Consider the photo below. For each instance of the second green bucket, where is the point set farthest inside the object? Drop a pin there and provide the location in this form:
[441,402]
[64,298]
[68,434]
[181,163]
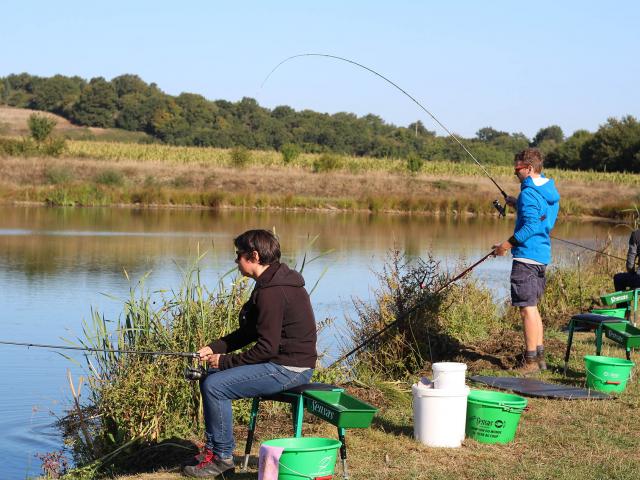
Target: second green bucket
[306,457]
[493,417]
[607,374]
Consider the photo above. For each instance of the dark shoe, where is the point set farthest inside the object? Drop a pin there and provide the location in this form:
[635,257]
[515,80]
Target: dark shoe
[542,363]
[210,466]
[193,461]
[529,367]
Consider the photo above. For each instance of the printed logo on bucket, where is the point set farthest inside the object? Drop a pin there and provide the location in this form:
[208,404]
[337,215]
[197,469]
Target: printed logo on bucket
[486,428]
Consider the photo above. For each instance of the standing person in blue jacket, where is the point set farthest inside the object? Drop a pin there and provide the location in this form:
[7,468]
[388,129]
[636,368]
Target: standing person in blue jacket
[536,212]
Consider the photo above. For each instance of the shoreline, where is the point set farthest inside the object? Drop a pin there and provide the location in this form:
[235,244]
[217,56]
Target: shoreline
[325,210]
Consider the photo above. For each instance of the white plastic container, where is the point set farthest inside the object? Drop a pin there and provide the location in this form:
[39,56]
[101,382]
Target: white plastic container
[439,416]
[449,375]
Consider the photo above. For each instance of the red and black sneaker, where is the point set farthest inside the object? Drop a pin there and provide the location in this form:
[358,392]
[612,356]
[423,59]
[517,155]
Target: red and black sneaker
[195,460]
[210,466]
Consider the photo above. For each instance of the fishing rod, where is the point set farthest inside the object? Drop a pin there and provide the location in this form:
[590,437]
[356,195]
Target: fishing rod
[588,248]
[500,208]
[410,311]
[413,99]
[195,372]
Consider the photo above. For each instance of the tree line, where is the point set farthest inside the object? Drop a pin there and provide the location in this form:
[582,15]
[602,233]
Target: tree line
[127,102]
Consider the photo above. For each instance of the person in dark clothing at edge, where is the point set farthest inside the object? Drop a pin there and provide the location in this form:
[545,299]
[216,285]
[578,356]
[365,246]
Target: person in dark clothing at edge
[536,212]
[278,317]
[630,278]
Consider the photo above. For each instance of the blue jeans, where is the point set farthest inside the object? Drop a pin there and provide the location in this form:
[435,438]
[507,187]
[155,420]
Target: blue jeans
[247,381]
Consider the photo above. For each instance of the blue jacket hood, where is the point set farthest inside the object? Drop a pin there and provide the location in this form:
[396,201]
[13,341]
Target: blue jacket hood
[548,191]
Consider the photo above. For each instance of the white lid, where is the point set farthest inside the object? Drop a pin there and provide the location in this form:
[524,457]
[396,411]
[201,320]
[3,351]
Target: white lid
[449,366]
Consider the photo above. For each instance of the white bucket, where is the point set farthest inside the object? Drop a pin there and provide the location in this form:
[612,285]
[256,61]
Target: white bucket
[439,416]
[449,375]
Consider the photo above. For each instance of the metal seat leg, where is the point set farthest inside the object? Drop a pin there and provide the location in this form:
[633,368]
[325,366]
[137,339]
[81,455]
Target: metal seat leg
[252,427]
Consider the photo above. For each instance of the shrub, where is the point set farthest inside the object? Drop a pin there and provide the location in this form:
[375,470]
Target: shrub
[58,175]
[110,177]
[326,163]
[414,163]
[53,147]
[290,152]
[240,157]
[40,126]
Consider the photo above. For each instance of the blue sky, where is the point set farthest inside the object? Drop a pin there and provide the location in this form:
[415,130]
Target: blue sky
[513,65]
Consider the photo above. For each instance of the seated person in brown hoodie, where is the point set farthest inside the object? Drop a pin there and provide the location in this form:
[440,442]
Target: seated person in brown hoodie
[278,317]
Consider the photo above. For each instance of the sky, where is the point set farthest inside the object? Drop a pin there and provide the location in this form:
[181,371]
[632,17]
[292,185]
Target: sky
[516,66]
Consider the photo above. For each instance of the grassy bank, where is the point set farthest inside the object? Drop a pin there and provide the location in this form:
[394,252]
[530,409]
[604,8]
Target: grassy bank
[142,429]
[101,173]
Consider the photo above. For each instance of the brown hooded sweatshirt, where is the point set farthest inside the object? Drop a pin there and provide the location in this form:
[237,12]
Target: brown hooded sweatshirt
[278,317]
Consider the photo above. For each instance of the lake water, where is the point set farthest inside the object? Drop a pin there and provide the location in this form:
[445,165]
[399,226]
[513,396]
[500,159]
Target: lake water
[58,263]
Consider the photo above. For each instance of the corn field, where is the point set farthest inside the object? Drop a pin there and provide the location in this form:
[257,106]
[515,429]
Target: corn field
[219,157]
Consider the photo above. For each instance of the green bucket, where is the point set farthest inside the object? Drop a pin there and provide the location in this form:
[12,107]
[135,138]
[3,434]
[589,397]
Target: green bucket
[306,457]
[492,417]
[607,374]
[611,312]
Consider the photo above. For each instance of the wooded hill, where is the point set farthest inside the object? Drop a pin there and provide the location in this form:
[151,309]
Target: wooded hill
[129,103]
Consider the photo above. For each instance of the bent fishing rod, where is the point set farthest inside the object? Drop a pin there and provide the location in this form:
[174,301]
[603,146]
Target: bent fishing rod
[500,208]
[410,311]
[395,85]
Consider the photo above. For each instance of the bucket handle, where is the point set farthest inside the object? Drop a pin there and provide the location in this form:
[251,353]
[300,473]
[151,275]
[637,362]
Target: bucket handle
[608,382]
[304,475]
[510,409]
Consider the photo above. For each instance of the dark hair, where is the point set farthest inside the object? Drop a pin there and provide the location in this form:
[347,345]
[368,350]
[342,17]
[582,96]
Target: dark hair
[262,241]
[531,156]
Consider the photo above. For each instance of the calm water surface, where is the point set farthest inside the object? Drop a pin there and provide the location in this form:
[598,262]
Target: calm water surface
[57,264]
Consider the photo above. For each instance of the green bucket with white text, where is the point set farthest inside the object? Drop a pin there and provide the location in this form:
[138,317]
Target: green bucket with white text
[607,374]
[493,417]
[306,457]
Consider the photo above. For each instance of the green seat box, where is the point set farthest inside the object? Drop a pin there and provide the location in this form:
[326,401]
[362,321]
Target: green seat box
[623,334]
[617,297]
[339,409]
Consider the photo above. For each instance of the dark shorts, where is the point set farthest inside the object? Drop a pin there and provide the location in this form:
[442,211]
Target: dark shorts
[527,284]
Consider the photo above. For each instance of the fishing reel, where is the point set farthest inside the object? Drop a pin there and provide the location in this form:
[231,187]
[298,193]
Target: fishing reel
[502,209]
[196,371]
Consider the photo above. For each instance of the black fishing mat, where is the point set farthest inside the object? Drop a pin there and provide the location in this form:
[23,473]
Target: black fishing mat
[537,388]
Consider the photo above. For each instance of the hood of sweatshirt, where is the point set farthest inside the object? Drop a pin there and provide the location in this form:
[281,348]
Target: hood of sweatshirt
[547,190]
[279,275]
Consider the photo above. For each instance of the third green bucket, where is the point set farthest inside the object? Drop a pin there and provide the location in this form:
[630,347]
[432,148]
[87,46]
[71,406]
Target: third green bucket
[607,374]
[306,457]
[493,417]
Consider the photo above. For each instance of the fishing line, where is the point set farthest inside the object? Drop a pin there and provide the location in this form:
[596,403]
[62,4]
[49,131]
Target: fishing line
[100,350]
[499,207]
[588,248]
[504,194]
[410,311]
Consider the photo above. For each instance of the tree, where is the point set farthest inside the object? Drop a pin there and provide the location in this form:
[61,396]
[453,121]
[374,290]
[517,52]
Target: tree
[57,94]
[127,84]
[489,134]
[567,155]
[97,105]
[553,133]
[614,147]
[40,126]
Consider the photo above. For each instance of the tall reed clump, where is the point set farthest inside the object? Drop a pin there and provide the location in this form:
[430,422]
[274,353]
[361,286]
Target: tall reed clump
[434,323]
[140,400]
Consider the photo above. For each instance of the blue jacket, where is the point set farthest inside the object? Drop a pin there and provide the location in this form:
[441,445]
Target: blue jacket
[537,212]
